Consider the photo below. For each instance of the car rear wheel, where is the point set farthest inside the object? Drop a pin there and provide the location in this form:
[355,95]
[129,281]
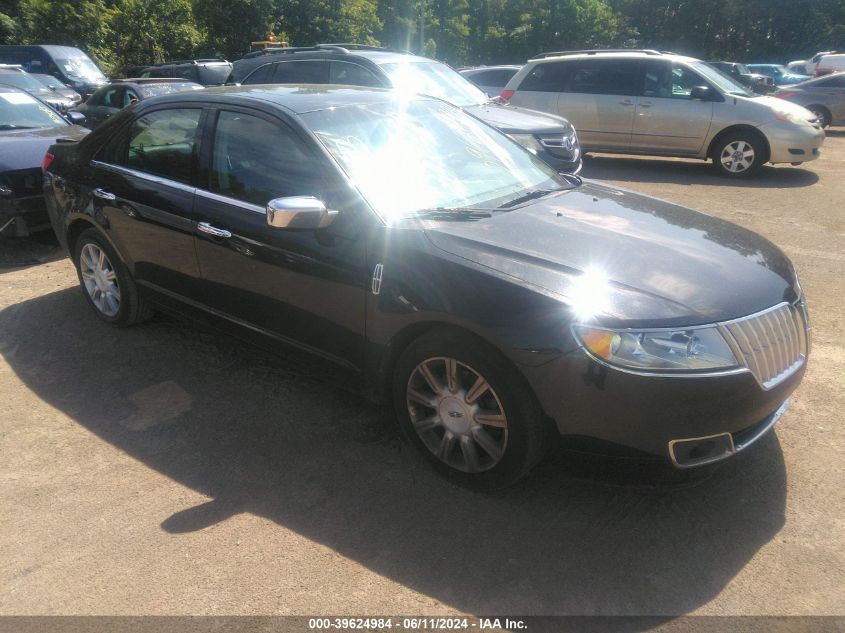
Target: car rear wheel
[106,283]
[738,155]
[467,411]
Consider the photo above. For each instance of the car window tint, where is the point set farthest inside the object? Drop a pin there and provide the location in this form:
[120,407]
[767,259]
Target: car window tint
[548,77]
[261,75]
[130,97]
[113,97]
[604,77]
[352,75]
[255,161]
[162,143]
[304,72]
[835,82]
[187,72]
[664,80]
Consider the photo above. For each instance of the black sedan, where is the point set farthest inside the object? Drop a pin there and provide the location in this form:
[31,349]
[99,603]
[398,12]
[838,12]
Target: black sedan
[27,128]
[439,266]
[113,97]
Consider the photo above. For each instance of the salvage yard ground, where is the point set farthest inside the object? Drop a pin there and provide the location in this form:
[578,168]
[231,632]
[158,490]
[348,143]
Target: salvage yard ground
[167,470]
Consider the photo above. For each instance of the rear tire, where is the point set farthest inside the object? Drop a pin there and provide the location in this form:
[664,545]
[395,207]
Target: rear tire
[463,406]
[106,283]
[739,154]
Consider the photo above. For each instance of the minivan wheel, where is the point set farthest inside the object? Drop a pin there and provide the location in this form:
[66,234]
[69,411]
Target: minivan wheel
[821,114]
[106,283]
[467,411]
[738,155]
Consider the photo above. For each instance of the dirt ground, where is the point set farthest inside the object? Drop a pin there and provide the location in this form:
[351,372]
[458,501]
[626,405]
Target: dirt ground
[164,469]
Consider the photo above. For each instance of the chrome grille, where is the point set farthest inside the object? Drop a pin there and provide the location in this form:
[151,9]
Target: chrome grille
[772,344]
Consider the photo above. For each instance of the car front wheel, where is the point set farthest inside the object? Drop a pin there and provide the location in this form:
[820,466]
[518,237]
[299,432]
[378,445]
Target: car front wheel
[467,411]
[738,155]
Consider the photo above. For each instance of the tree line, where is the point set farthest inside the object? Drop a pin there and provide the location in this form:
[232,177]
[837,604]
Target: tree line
[120,33]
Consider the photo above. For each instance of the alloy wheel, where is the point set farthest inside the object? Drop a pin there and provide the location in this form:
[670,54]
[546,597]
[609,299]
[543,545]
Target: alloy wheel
[99,279]
[737,157]
[457,414]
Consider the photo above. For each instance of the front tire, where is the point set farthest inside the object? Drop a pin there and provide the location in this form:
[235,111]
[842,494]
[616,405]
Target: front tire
[467,411]
[739,155]
[106,283]
[821,114]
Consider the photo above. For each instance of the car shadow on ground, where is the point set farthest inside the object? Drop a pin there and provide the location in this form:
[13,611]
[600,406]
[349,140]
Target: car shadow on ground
[22,252]
[689,172]
[256,435]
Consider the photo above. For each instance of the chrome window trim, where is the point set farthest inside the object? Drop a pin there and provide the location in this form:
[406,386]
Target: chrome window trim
[246,206]
[128,171]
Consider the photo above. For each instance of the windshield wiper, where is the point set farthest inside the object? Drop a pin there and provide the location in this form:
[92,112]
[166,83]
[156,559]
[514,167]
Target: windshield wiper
[534,194]
[453,213]
[12,126]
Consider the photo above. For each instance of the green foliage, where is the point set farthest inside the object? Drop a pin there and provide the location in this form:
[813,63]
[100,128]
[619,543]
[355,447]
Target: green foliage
[120,32]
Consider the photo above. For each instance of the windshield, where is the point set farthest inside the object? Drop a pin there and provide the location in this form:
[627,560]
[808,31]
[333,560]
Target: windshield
[50,81]
[165,89]
[434,79]
[81,68]
[411,156]
[719,79]
[20,111]
[20,80]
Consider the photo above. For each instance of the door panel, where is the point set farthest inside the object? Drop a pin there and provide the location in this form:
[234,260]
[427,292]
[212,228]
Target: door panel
[667,118]
[305,287]
[141,184]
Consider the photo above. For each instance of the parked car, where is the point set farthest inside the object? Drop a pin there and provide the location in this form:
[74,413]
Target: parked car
[68,64]
[493,302]
[69,96]
[830,64]
[110,99]
[490,79]
[28,127]
[739,72]
[645,102]
[208,72]
[823,96]
[550,137]
[779,74]
[813,62]
[12,75]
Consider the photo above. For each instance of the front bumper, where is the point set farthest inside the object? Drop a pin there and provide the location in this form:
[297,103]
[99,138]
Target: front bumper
[647,414]
[789,143]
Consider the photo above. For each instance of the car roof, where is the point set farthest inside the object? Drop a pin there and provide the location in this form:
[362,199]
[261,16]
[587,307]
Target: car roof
[298,98]
[610,54]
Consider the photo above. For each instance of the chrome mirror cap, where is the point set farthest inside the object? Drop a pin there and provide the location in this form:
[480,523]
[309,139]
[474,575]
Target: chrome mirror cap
[299,212]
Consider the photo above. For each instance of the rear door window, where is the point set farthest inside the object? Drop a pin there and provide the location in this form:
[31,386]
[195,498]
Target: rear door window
[261,75]
[302,72]
[547,77]
[604,77]
[835,82]
[161,143]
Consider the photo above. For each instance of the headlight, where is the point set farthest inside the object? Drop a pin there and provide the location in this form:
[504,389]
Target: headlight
[658,350]
[528,141]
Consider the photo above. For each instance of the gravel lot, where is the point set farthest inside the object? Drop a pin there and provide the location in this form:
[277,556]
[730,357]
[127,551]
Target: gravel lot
[168,470]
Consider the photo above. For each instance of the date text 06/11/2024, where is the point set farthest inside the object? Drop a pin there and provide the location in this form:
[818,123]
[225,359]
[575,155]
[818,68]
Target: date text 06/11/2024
[415,623]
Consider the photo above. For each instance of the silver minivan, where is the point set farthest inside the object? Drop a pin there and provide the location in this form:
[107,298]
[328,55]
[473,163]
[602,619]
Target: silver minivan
[646,102]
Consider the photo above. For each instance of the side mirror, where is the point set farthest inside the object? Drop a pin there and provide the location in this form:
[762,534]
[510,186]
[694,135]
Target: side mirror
[299,212]
[77,118]
[702,93]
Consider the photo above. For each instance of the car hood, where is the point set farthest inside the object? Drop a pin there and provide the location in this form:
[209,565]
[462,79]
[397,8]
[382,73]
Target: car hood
[780,106]
[514,120]
[25,149]
[647,261]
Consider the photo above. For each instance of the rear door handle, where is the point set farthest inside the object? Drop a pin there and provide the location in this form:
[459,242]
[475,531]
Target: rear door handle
[646,104]
[205,227]
[626,102]
[104,195]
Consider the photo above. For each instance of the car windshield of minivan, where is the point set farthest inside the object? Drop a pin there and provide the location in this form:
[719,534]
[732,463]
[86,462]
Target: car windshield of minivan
[81,68]
[719,79]
[19,111]
[434,79]
[409,156]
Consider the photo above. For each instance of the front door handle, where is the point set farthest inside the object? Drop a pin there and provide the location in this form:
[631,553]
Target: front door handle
[104,195]
[646,104]
[205,227]
[626,102]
